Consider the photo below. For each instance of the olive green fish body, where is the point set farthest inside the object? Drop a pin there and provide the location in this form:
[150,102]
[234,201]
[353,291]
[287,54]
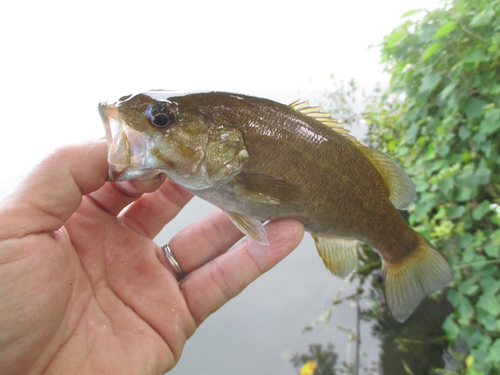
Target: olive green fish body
[323,179]
[261,160]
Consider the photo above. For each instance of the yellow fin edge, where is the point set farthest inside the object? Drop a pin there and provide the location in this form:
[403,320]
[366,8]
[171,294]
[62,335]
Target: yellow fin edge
[339,255]
[409,280]
[402,191]
[323,117]
[401,188]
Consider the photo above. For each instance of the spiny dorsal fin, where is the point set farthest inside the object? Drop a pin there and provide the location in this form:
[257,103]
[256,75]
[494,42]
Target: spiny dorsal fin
[324,118]
[402,189]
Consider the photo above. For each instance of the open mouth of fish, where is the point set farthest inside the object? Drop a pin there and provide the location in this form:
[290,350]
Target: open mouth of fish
[127,148]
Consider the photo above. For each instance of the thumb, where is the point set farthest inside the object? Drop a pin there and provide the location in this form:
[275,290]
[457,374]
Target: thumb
[53,190]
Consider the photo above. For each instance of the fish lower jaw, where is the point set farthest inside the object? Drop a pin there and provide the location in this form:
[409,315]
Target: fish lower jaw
[124,173]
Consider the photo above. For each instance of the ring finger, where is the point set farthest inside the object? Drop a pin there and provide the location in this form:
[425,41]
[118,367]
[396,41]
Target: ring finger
[202,241]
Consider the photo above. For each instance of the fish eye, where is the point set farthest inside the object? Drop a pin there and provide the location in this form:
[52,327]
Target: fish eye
[161,119]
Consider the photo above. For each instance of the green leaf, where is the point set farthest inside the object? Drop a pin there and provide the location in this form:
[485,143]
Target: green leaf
[454,297]
[492,250]
[494,352]
[445,29]
[412,133]
[495,89]
[473,108]
[491,287]
[447,91]
[466,311]
[443,150]
[471,335]
[439,164]
[468,287]
[482,18]
[391,146]
[468,256]
[481,210]
[466,179]
[430,51]
[450,327]
[466,240]
[482,175]
[487,320]
[454,212]
[463,133]
[411,13]
[491,121]
[425,204]
[420,184]
[429,81]
[428,31]
[445,184]
[394,37]
[464,194]
[475,57]
[495,218]
[489,303]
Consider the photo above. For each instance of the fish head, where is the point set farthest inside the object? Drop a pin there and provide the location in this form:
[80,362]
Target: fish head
[165,132]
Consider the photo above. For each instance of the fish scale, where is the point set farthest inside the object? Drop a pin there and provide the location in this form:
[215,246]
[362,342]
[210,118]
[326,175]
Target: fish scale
[261,160]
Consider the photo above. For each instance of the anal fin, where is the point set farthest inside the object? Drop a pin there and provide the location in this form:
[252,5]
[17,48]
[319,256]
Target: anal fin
[409,280]
[253,228]
[339,255]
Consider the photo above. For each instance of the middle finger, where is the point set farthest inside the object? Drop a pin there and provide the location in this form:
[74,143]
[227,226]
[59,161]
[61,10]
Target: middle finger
[153,211]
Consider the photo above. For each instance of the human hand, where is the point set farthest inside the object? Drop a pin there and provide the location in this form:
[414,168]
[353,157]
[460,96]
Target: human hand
[83,287]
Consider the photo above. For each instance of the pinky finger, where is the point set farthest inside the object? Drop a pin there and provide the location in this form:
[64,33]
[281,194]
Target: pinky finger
[208,288]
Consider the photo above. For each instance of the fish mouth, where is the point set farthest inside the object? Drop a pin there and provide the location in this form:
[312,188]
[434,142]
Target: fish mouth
[127,148]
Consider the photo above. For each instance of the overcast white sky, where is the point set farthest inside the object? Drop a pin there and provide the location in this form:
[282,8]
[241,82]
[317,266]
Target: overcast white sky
[60,58]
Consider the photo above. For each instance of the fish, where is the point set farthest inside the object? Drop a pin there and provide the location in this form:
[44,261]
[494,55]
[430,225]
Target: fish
[261,160]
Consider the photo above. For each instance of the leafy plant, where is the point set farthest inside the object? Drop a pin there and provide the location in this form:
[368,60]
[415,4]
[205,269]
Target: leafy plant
[326,359]
[440,119]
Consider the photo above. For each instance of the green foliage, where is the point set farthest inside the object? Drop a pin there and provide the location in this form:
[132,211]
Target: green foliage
[440,119]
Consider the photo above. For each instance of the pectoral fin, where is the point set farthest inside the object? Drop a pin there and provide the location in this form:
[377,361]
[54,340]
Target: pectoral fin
[339,255]
[265,189]
[253,228]
[225,155]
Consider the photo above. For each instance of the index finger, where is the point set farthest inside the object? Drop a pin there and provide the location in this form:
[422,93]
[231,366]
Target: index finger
[209,287]
[53,190]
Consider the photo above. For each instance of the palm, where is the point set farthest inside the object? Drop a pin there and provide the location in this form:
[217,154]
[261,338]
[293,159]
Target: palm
[97,295]
[122,299]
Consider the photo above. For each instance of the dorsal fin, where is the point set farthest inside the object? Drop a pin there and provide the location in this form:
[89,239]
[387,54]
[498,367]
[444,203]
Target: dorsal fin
[401,188]
[324,118]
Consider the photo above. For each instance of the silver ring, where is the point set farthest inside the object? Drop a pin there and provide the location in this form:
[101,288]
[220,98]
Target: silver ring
[173,262]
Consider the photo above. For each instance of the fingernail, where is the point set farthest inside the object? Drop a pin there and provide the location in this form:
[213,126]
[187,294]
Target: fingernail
[160,178]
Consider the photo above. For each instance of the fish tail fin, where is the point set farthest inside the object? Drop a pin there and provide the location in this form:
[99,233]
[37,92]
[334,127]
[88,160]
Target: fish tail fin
[410,279]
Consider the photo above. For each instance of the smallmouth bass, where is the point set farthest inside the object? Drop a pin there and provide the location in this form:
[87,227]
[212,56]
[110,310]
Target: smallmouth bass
[261,160]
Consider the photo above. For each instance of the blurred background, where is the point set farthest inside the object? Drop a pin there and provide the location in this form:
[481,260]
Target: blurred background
[59,59]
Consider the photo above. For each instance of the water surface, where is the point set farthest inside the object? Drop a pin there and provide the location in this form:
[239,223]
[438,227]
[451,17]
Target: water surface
[258,331]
